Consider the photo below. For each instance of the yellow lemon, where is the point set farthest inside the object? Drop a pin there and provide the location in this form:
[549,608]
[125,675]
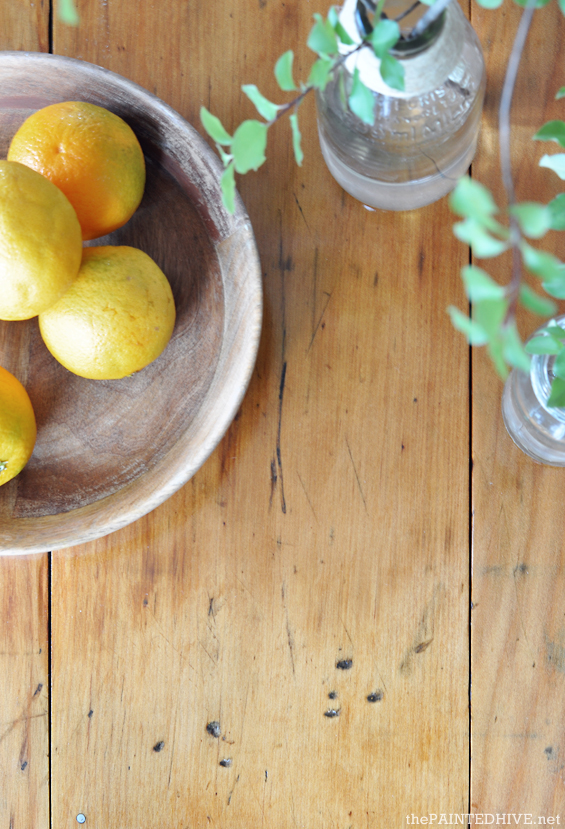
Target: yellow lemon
[116,318]
[40,242]
[92,155]
[17,426]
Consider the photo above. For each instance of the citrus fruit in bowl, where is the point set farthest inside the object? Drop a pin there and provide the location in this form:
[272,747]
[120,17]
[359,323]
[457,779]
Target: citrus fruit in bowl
[115,319]
[17,426]
[92,155]
[40,242]
[110,450]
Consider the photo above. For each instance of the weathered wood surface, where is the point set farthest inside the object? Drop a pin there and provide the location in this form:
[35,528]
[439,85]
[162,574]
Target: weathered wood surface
[518,632]
[331,523]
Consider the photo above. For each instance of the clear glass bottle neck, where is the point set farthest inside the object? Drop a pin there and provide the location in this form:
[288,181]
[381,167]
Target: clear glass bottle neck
[407,14]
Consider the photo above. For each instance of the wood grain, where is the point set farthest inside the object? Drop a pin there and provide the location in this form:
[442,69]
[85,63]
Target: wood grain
[24,679]
[518,636]
[330,524]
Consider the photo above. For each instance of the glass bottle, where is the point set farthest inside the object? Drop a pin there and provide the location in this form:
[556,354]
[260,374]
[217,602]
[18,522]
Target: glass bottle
[423,139]
[536,428]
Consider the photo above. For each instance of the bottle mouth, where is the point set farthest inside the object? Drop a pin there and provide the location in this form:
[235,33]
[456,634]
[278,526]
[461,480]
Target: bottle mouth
[406,46]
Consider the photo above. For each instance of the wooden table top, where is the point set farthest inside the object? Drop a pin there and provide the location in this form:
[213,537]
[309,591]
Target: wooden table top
[365,540]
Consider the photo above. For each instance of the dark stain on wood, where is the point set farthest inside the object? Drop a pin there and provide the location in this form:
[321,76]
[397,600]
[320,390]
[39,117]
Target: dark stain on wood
[423,645]
[332,712]
[213,728]
[375,697]
[226,762]
[344,664]
[332,694]
[159,746]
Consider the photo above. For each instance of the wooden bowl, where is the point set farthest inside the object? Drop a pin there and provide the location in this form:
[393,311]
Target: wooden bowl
[109,451]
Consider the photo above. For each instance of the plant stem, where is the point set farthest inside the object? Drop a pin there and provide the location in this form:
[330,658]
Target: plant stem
[504,150]
[298,100]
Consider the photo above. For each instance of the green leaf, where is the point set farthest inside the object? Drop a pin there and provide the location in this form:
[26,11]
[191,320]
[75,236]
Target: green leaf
[559,365]
[479,285]
[555,288]
[542,345]
[392,72]
[554,162]
[67,13]
[556,332]
[490,314]
[283,71]
[534,219]
[361,101]
[384,36]
[296,138]
[557,396]
[333,16]
[341,33]
[248,146]
[561,92]
[227,183]
[552,131]
[320,73]
[473,200]
[475,334]
[542,264]
[556,208]
[264,107]
[539,5]
[513,348]
[496,354]
[322,38]
[483,244]
[214,127]
[536,303]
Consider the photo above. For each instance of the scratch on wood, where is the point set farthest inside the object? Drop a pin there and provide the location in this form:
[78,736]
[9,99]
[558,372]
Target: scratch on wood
[307,496]
[289,636]
[234,785]
[328,297]
[356,475]
[301,211]
[38,689]
[279,455]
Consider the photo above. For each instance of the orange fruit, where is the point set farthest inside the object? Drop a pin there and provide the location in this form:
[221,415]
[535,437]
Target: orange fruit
[116,318]
[92,155]
[40,242]
[17,426]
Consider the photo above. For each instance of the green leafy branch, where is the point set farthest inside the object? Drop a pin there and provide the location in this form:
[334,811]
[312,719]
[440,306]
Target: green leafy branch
[245,149]
[494,306]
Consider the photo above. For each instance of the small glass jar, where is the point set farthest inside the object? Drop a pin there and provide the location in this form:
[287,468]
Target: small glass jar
[536,428]
[424,138]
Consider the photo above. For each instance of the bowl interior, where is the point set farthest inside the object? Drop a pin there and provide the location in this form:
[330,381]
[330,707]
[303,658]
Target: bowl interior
[96,438]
